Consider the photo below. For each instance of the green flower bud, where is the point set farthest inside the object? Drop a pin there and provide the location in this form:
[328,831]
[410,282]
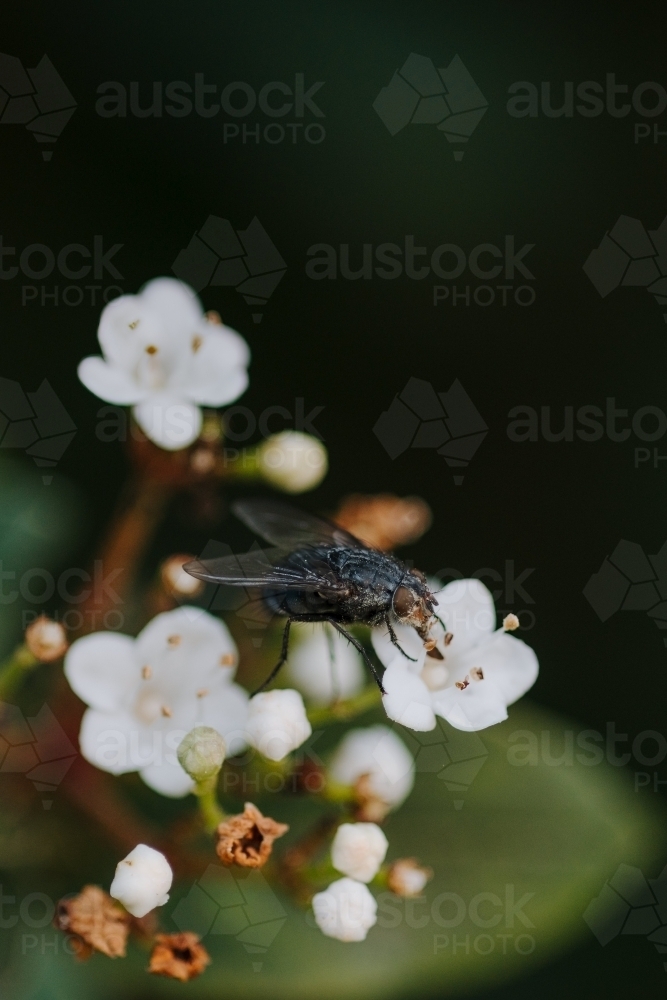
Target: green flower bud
[201,753]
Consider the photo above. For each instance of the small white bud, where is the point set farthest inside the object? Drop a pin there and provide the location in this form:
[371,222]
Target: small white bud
[277,722]
[176,581]
[346,910]
[142,880]
[46,639]
[201,753]
[407,877]
[292,461]
[358,850]
[378,753]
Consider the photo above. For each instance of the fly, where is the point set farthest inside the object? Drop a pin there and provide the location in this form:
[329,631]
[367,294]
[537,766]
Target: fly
[318,572]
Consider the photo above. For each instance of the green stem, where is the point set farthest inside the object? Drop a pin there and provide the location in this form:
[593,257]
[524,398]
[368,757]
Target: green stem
[14,669]
[209,807]
[348,709]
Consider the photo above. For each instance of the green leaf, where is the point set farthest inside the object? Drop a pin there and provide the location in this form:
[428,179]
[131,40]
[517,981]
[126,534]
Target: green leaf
[538,840]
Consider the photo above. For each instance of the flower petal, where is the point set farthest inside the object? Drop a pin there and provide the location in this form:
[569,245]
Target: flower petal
[114,742]
[175,304]
[407,700]
[480,705]
[169,421]
[108,382]
[102,669]
[508,662]
[168,779]
[191,646]
[321,677]
[468,611]
[407,639]
[127,327]
[226,711]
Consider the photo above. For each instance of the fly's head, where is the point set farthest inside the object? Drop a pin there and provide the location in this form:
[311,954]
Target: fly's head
[413,603]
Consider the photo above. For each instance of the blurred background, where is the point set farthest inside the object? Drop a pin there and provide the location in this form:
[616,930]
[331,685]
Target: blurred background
[337,173]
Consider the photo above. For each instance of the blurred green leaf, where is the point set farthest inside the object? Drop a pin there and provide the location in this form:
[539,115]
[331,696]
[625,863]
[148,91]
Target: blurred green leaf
[551,833]
[37,527]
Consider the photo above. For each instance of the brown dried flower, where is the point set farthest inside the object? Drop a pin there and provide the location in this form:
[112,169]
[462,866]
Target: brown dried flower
[96,922]
[384,521]
[46,639]
[179,956]
[247,839]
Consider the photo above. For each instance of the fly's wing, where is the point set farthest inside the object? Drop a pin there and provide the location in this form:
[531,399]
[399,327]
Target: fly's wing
[262,569]
[290,528]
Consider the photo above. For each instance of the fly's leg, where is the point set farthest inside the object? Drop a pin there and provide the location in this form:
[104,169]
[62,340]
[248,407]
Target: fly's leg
[335,686]
[357,645]
[283,657]
[392,636]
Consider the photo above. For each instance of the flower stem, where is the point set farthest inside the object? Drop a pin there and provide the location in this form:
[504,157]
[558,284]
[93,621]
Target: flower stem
[348,709]
[14,669]
[209,807]
[139,513]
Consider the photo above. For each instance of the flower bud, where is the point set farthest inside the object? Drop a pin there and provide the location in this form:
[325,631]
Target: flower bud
[358,850]
[46,639]
[176,581]
[201,753]
[346,910]
[407,878]
[292,461]
[142,880]
[379,756]
[277,722]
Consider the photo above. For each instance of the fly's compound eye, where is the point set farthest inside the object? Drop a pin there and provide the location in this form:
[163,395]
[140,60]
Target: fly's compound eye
[403,602]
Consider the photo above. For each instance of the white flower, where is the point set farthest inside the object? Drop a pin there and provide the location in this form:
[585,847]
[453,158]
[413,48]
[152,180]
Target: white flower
[358,850]
[277,722]
[321,677]
[481,672]
[292,461]
[165,359]
[380,754]
[346,910]
[142,880]
[146,694]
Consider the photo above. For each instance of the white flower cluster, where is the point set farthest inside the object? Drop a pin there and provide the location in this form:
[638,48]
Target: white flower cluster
[474,674]
[163,357]
[145,695]
[346,910]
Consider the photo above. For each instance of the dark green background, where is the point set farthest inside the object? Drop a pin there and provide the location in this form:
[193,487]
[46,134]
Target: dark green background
[351,346]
